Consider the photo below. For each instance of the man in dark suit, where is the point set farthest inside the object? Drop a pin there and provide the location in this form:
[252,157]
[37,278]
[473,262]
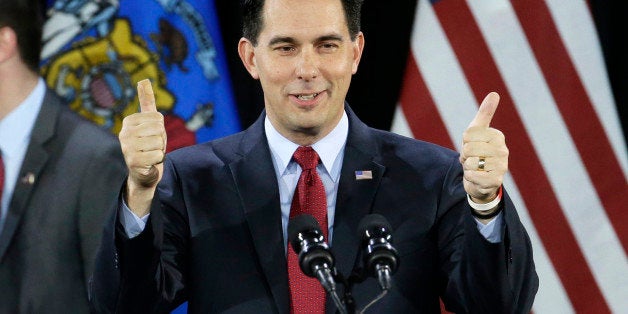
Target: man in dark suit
[208,225]
[60,172]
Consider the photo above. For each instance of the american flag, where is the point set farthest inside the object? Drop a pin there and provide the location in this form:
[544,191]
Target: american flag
[363,174]
[568,162]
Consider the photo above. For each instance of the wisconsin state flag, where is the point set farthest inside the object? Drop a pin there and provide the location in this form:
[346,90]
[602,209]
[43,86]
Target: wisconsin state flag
[95,52]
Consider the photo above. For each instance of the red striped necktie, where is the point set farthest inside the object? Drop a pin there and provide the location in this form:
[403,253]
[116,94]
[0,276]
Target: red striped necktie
[306,293]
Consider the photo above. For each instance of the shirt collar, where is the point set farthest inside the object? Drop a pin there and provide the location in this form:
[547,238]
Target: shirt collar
[327,148]
[16,127]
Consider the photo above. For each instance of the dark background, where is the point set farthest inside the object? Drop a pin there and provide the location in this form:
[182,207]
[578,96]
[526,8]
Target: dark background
[387,27]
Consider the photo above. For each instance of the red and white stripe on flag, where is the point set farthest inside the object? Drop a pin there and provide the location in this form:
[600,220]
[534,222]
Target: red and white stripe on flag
[568,163]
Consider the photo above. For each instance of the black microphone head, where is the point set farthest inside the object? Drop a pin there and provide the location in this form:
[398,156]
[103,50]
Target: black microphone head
[373,223]
[376,234]
[299,224]
[307,240]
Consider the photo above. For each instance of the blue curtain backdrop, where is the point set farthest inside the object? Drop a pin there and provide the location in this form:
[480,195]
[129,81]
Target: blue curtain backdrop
[96,51]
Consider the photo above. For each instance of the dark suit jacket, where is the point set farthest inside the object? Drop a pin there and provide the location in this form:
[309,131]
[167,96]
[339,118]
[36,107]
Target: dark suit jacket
[51,232]
[215,237]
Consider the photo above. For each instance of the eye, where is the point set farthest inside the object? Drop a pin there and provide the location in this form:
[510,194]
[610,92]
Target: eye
[285,49]
[328,46]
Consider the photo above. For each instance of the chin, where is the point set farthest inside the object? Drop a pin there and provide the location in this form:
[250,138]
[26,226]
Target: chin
[308,128]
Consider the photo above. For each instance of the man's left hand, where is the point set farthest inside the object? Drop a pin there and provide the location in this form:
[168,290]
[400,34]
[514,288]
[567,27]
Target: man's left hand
[484,155]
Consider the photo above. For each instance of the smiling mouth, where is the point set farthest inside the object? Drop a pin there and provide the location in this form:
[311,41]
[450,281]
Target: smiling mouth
[307,96]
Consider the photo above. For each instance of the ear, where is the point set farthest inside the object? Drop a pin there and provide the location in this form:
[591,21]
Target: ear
[358,47]
[246,50]
[8,43]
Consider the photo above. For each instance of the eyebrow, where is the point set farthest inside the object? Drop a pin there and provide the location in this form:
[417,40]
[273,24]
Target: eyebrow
[332,37]
[291,40]
[281,39]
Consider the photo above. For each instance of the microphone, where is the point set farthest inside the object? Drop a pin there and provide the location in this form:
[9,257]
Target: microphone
[380,257]
[315,258]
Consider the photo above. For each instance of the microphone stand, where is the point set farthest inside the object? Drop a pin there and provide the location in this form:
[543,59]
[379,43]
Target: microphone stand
[327,278]
[358,276]
[347,299]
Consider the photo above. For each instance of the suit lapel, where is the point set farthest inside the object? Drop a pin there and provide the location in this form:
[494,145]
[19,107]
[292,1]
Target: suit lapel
[355,197]
[34,161]
[256,181]
[353,203]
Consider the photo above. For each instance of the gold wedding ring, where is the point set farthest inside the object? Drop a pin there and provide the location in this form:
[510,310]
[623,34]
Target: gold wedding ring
[481,163]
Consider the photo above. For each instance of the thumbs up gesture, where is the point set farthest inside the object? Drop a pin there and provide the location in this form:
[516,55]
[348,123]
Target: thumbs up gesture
[143,143]
[484,155]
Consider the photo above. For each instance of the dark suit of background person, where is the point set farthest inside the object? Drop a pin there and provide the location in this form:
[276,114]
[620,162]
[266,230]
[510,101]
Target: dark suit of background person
[71,173]
[215,237]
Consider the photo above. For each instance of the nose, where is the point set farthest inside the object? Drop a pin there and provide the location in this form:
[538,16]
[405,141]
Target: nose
[307,66]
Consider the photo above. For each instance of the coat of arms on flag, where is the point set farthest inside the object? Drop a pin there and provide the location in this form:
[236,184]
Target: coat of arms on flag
[94,52]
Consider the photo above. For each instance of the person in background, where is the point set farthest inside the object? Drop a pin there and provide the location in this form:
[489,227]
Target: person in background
[58,175]
[207,223]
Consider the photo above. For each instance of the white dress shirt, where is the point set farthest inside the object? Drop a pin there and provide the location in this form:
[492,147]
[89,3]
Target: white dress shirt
[15,134]
[330,149]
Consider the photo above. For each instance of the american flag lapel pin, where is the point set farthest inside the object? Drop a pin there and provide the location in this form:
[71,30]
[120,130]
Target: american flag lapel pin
[363,174]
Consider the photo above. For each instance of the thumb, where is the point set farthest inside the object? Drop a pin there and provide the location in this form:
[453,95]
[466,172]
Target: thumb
[146,96]
[487,111]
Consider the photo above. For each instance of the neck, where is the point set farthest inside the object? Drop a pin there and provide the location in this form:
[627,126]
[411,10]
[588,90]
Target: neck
[15,86]
[305,136]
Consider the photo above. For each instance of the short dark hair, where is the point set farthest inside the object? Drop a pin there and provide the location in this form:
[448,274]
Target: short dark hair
[252,18]
[26,18]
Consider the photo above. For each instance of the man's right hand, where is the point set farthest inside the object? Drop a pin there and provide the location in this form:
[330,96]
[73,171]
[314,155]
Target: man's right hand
[143,142]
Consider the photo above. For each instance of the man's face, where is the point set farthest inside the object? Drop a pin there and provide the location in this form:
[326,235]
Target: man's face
[304,60]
